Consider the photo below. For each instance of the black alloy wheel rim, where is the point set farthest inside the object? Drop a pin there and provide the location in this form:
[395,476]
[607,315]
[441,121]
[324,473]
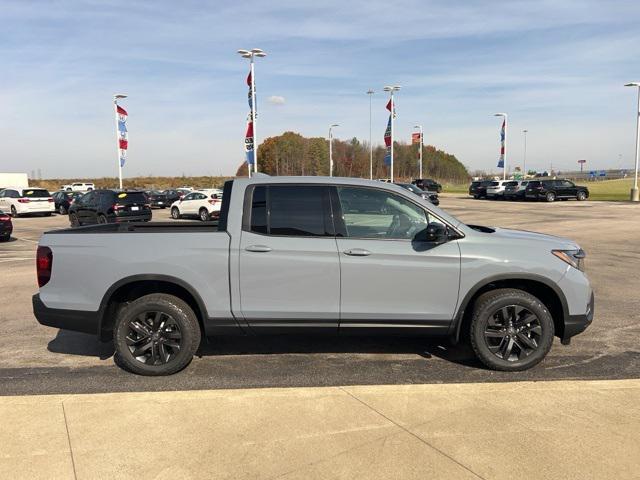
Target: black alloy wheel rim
[153,338]
[513,333]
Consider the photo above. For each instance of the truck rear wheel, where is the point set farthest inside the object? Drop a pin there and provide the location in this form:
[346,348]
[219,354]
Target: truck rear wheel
[157,334]
[511,330]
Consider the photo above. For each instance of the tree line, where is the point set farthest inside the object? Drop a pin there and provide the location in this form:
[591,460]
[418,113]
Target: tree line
[293,154]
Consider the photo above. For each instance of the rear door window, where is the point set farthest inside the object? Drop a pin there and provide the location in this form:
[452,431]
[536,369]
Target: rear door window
[290,210]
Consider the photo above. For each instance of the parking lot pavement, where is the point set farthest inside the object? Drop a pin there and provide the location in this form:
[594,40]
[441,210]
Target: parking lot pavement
[37,359]
[564,430]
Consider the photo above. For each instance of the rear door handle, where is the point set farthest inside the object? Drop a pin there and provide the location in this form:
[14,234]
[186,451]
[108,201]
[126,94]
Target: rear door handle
[258,248]
[357,252]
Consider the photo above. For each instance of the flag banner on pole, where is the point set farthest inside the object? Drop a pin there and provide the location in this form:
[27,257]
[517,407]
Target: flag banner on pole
[248,142]
[391,105]
[387,143]
[123,134]
[249,99]
[502,135]
[415,138]
[248,137]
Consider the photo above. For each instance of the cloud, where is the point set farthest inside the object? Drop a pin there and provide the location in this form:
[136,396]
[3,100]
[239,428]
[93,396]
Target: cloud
[276,100]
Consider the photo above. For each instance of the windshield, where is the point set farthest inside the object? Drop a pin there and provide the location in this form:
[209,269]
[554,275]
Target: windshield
[511,184]
[410,187]
[125,198]
[36,193]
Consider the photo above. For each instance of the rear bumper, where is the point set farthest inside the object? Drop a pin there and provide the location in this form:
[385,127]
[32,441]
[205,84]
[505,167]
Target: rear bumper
[21,209]
[76,320]
[132,218]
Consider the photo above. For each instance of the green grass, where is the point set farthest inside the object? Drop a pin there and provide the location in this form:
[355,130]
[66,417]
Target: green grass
[612,190]
[455,188]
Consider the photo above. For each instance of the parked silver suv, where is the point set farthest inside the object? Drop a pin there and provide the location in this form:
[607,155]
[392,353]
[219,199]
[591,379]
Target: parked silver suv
[317,255]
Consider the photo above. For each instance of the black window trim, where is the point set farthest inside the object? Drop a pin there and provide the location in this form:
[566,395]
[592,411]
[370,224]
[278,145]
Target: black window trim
[332,214]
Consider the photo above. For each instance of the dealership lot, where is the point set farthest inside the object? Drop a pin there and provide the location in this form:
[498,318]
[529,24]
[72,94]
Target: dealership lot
[36,359]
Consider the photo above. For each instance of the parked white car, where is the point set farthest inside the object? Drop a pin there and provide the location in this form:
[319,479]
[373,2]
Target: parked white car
[205,204]
[21,201]
[78,187]
[496,189]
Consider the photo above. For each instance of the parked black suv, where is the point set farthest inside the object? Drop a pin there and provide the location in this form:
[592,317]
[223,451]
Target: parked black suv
[157,199]
[173,195]
[551,190]
[109,206]
[478,188]
[63,200]
[428,184]
[6,226]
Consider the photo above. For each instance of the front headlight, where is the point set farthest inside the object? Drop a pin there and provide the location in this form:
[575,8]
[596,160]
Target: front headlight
[575,258]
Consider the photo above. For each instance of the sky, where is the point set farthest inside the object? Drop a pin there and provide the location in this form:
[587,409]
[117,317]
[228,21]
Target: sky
[556,67]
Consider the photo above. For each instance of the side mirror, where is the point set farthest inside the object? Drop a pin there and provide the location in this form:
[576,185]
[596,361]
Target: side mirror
[435,233]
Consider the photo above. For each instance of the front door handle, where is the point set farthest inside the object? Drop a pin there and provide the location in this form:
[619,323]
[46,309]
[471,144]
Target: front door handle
[258,248]
[357,252]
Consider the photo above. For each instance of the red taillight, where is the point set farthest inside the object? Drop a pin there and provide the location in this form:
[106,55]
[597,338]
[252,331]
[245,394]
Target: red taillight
[44,263]
[4,218]
[50,200]
[23,200]
[117,207]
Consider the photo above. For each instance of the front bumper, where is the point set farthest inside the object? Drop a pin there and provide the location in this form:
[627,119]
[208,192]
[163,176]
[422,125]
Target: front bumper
[76,320]
[575,324]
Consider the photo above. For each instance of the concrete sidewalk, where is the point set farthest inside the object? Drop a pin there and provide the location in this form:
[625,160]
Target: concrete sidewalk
[559,430]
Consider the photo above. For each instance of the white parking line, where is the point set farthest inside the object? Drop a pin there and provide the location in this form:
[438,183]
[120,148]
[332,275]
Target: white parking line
[28,240]
[16,259]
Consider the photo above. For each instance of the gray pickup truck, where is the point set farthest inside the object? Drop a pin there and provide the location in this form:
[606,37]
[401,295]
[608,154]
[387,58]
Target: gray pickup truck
[313,255]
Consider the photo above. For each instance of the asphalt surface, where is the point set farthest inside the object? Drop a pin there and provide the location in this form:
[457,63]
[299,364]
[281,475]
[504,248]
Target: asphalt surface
[41,360]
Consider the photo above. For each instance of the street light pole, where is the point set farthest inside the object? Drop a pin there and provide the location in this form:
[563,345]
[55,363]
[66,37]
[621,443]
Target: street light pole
[635,196]
[420,127]
[370,93]
[392,89]
[504,157]
[524,162]
[250,54]
[331,148]
[116,97]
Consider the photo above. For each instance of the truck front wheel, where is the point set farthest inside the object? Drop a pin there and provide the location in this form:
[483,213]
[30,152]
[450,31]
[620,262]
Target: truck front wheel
[157,334]
[511,330]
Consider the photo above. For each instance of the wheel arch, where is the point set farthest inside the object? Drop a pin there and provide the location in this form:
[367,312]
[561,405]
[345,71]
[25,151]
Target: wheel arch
[546,290]
[136,286]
